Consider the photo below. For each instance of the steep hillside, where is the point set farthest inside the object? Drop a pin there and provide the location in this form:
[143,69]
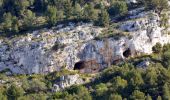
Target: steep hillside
[83,46]
[84,49]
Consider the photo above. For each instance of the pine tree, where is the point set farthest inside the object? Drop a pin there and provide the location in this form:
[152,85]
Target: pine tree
[15,25]
[157,48]
[7,18]
[77,11]
[68,9]
[60,15]
[51,15]
[10,23]
[138,95]
[14,92]
[20,6]
[90,13]
[151,76]
[101,89]
[29,18]
[164,21]
[166,92]
[104,18]
[166,59]
[118,8]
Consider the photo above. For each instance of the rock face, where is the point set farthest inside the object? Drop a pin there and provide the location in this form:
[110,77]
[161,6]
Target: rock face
[34,52]
[67,81]
[73,46]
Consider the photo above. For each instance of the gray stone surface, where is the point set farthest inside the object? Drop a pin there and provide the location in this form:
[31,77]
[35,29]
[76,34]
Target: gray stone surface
[67,81]
[33,52]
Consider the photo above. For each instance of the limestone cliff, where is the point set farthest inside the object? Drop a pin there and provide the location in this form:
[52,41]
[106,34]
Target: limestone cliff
[74,46]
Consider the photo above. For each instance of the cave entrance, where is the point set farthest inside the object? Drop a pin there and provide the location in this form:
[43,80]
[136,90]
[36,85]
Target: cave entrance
[127,53]
[87,66]
[79,65]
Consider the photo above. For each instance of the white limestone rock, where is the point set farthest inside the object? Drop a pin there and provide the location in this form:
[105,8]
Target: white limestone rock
[34,52]
[67,81]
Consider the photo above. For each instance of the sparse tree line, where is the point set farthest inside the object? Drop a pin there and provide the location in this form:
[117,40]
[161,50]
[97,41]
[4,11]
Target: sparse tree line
[19,15]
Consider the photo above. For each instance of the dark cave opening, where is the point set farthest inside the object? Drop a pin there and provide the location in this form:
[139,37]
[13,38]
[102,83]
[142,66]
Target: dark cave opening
[90,66]
[127,53]
[79,65]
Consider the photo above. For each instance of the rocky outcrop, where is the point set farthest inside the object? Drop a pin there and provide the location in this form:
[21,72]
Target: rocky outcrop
[34,52]
[73,46]
[67,81]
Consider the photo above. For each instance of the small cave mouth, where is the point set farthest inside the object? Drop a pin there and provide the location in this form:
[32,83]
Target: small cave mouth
[79,65]
[127,53]
[87,66]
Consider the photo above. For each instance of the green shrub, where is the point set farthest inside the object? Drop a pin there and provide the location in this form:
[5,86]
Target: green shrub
[158,5]
[14,92]
[157,48]
[118,8]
